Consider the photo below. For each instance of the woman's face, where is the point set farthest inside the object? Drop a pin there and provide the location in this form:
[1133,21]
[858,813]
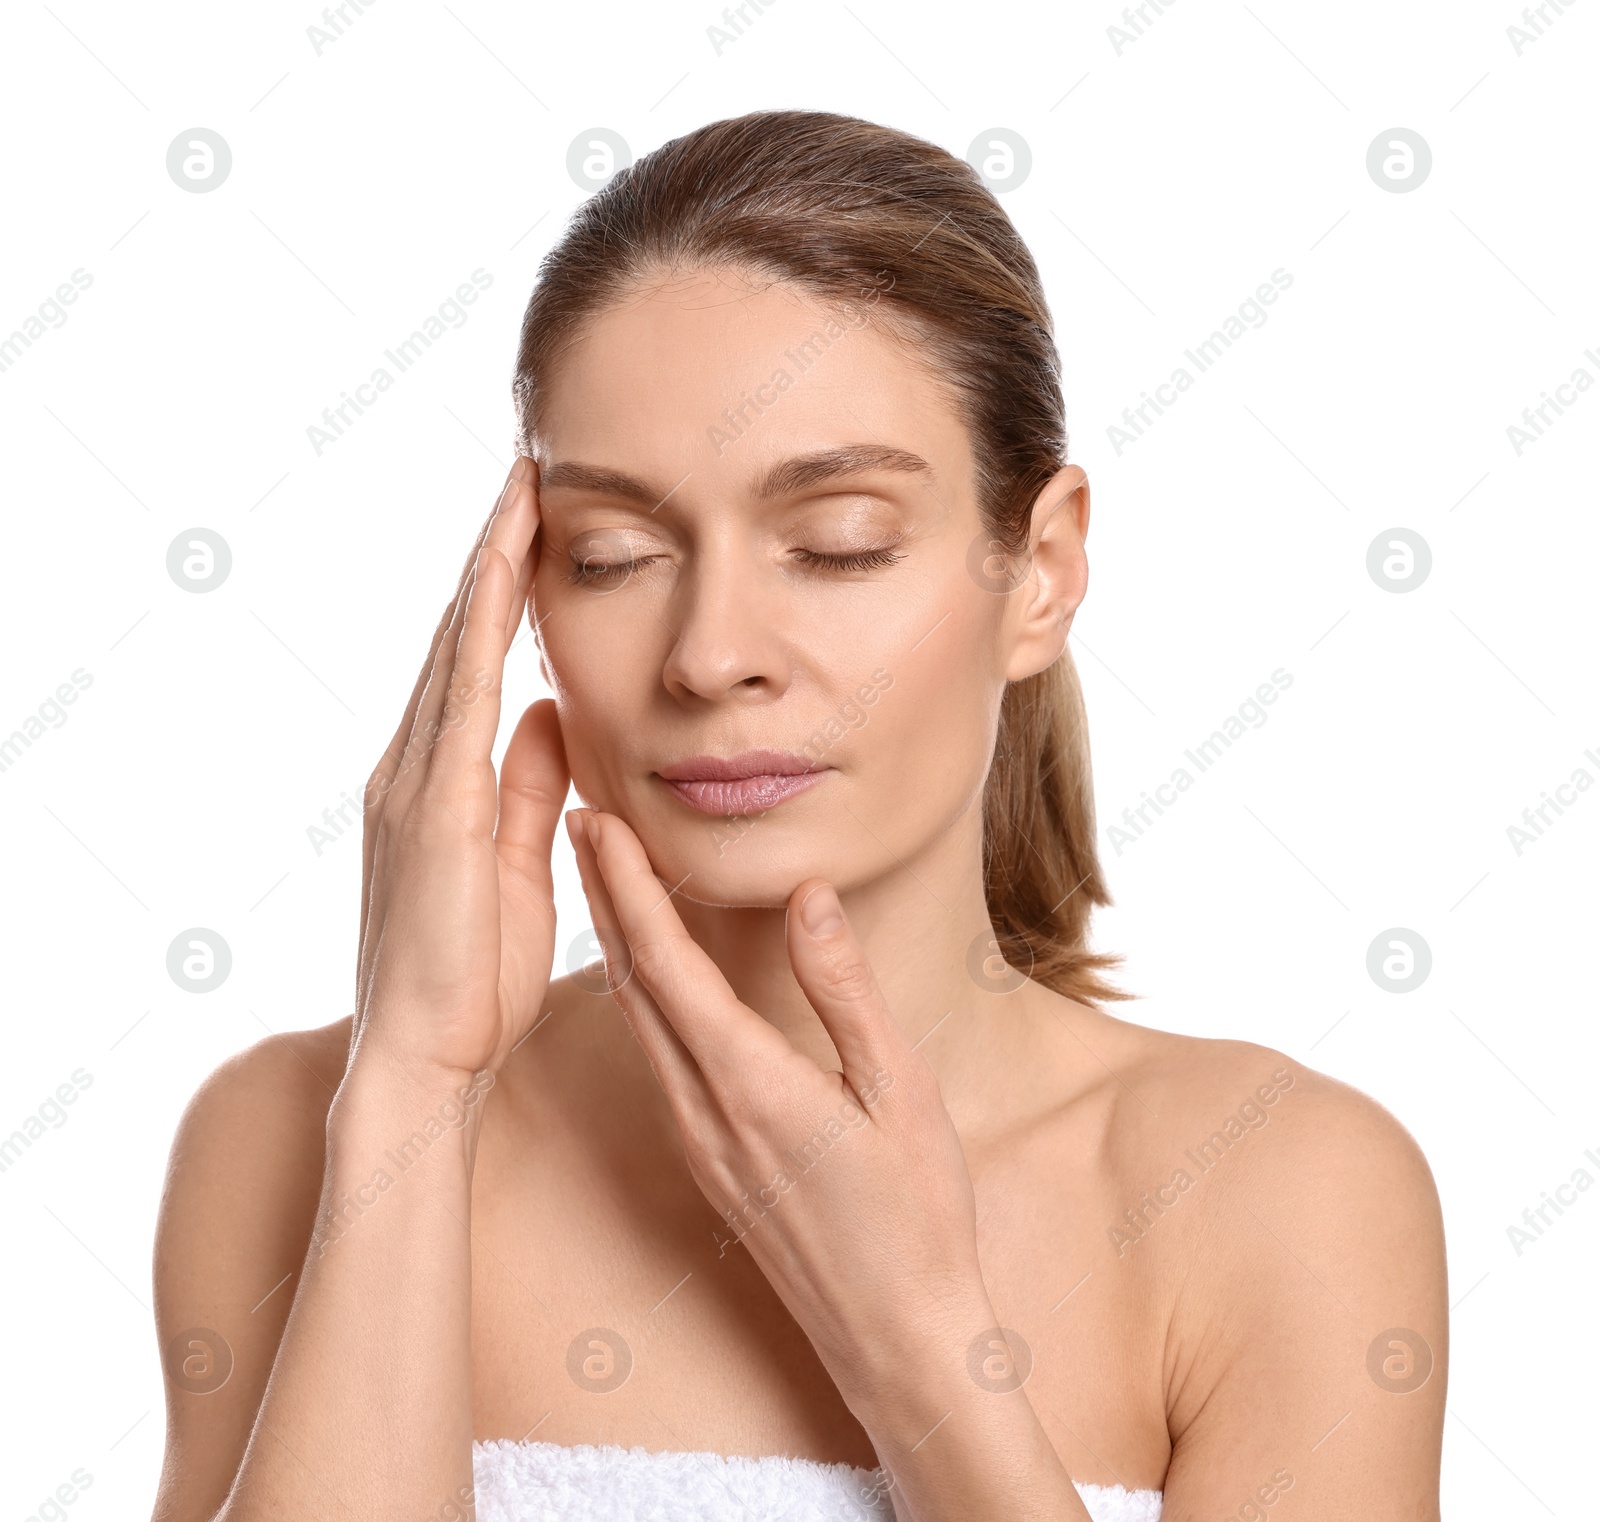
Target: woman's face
[758,521]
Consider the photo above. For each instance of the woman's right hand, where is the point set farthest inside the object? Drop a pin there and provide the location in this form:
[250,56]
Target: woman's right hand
[457,902]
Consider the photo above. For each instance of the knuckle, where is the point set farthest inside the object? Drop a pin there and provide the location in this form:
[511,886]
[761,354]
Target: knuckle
[619,984]
[409,833]
[537,790]
[742,1114]
[698,1141]
[416,747]
[464,694]
[381,778]
[702,1152]
[848,977]
[653,960]
[453,802]
[376,798]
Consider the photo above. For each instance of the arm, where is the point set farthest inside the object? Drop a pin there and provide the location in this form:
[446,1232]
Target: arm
[1310,1343]
[236,1214]
[250,1175]
[356,1402]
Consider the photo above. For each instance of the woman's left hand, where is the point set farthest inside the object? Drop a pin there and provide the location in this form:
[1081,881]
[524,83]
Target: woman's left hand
[849,1188]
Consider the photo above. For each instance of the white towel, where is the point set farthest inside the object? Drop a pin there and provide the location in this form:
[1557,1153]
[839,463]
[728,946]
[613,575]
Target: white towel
[551,1482]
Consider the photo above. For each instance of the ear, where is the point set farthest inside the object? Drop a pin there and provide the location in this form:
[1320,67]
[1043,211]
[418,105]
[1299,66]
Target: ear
[1041,608]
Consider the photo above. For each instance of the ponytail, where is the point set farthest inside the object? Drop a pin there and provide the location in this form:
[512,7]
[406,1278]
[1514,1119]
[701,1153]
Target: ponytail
[1041,870]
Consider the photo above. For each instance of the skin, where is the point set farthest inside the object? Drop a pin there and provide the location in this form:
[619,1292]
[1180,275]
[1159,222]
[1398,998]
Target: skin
[990,1148]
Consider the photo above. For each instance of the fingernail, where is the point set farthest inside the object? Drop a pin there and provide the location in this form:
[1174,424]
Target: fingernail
[572,827]
[522,469]
[591,828]
[820,912]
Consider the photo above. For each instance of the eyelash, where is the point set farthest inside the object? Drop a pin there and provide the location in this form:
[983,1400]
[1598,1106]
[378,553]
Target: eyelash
[583,574]
[858,560]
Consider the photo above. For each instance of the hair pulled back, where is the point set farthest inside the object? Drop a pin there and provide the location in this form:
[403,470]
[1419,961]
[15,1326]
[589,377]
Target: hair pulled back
[840,206]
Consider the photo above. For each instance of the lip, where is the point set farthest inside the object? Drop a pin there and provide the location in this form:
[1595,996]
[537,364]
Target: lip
[750,783]
[748,763]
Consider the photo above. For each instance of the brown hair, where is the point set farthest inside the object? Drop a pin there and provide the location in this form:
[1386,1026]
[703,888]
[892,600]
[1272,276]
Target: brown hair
[839,206]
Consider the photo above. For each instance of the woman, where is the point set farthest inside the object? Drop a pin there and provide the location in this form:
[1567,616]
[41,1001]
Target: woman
[845,1198]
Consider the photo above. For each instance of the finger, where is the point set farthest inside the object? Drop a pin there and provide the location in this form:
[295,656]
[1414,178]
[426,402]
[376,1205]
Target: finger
[519,597]
[835,976]
[461,703]
[675,1069]
[533,787]
[448,628]
[530,563]
[722,1035]
[382,780]
[448,754]
[459,769]
[383,775]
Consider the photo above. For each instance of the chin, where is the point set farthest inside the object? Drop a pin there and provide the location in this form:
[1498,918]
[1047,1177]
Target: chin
[748,861]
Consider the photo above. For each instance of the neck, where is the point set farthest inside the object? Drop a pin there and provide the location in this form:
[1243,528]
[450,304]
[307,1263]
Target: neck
[917,923]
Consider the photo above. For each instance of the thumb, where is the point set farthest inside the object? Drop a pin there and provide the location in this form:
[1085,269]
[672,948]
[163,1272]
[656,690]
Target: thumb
[533,791]
[835,976]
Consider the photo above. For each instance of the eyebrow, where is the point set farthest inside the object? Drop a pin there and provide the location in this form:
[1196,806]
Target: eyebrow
[783,479]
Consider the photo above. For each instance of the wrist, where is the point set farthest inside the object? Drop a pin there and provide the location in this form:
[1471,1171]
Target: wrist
[403,1137]
[944,1404]
[921,1359]
[383,1103]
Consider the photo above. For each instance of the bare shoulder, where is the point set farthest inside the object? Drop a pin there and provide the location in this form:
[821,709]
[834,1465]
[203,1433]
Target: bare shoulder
[255,1122]
[1206,1101]
[1315,1152]
[300,1069]
[243,1180]
[1299,1230]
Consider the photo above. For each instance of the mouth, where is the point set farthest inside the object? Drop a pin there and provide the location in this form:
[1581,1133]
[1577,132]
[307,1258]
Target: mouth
[749,783]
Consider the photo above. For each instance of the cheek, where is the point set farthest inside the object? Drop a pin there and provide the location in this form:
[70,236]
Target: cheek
[589,638]
[592,664]
[937,712]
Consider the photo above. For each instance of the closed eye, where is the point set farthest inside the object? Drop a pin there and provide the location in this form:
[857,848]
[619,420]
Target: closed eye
[857,560]
[592,571]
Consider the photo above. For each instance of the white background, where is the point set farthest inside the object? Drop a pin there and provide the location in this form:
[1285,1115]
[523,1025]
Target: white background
[1168,180]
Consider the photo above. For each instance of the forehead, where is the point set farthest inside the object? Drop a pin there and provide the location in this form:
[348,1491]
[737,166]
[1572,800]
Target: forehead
[710,372]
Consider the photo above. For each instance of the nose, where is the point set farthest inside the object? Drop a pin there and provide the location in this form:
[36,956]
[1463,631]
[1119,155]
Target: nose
[726,621]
